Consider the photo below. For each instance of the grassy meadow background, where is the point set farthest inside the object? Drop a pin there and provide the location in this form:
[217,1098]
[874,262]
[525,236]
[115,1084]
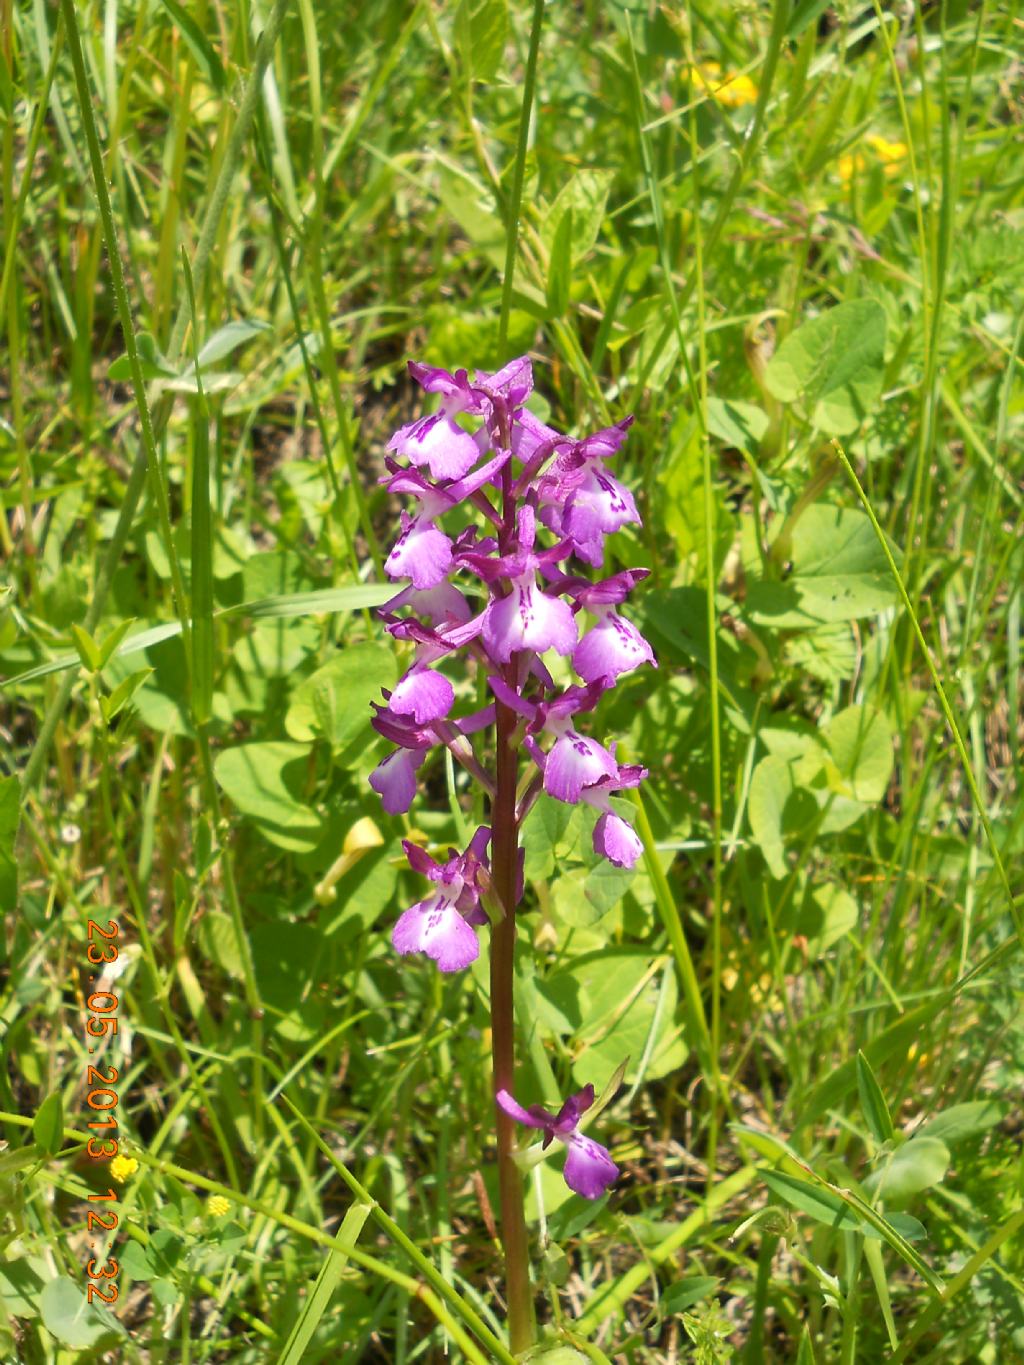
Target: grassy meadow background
[758,228]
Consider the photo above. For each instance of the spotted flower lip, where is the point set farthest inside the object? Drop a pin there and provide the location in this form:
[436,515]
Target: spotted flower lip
[442,925]
[589,1169]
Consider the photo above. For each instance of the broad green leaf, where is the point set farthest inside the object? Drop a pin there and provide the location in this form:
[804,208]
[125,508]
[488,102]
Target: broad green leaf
[228,338]
[860,743]
[560,268]
[961,1121]
[21,1283]
[917,1165]
[779,808]
[584,196]
[10,815]
[287,957]
[839,573]
[334,702]
[266,782]
[546,829]
[68,1316]
[616,1007]
[481,33]
[833,365]
[686,1292]
[219,942]
[828,653]
[737,423]
[153,364]
[872,1102]
[48,1125]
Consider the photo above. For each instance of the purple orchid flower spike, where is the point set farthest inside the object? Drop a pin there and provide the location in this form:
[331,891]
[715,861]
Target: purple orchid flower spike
[441,926]
[589,1170]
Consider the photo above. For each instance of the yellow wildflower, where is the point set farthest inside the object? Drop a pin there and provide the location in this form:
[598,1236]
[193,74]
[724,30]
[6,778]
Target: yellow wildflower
[122,1167]
[732,89]
[889,153]
[217,1206]
[849,165]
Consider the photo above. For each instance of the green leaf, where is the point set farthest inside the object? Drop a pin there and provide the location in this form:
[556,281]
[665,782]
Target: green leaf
[686,1292]
[111,642]
[318,1300]
[284,605]
[334,702]
[779,809]
[48,1125]
[860,743]
[736,423]
[962,1121]
[584,196]
[481,33]
[917,1165]
[10,815]
[266,782]
[153,364]
[88,649]
[228,338]
[872,1102]
[219,942]
[833,365]
[613,1006]
[560,268]
[839,573]
[199,45]
[818,1203]
[122,694]
[72,1320]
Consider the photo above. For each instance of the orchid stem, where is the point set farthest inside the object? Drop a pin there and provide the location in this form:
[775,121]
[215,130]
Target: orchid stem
[504,861]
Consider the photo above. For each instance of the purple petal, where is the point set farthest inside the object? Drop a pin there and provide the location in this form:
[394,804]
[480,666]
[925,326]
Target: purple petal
[599,505]
[614,646]
[394,780]
[617,840]
[509,697]
[439,442]
[602,445]
[436,928]
[513,381]
[423,694]
[531,437]
[534,1117]
[440,605]
[420,861]
[575,762]
[422,552]
[589,1170]
[610,591]
[528,619]
[568,1117]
